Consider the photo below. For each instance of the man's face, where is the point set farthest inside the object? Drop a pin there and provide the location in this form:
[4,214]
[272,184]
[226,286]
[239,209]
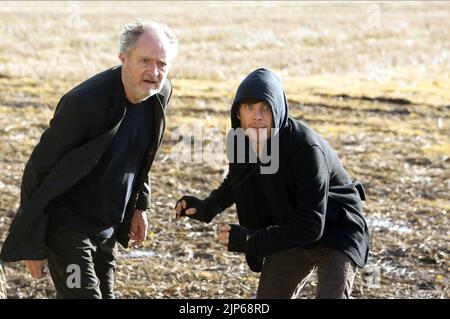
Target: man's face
[145,67]
[256,120]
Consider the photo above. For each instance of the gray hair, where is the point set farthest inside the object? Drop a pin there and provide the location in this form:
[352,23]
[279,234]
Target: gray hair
[132,31]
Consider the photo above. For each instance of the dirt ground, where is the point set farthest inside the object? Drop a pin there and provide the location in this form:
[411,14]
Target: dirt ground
[372,78]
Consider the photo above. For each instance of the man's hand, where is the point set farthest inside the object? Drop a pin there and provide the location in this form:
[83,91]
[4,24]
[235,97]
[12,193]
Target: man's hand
[36,268]
[182,205]
[236,237]
[139,226]
[224,234]
[202,210]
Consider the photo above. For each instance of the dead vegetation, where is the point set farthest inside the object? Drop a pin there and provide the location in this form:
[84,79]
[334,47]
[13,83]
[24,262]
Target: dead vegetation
[372,78]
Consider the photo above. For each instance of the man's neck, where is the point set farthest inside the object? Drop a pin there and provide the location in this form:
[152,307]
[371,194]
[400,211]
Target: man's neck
[130,97]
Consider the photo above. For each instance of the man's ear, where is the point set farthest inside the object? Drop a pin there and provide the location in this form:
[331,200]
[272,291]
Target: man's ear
[122,57]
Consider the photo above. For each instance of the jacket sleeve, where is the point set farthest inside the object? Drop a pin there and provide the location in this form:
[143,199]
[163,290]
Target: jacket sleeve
[306,227]
[144,200]
[223,196]
[67,130]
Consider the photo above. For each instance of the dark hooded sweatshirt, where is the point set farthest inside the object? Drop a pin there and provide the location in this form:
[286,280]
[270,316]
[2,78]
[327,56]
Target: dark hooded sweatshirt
[309,200]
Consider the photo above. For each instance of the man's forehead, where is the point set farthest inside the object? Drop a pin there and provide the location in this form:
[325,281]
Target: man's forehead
[254,102]
[152,45]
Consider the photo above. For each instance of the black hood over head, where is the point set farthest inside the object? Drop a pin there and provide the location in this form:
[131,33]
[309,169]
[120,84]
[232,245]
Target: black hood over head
[262,84]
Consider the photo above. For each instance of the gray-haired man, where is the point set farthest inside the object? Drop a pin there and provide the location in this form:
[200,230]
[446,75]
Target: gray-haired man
[86,183]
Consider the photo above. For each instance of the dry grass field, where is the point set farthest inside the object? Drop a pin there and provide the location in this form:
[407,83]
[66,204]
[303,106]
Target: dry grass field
[373,78]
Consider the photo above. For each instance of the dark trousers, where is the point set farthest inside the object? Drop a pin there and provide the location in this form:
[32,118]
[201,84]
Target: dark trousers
[81,266]
[284,274]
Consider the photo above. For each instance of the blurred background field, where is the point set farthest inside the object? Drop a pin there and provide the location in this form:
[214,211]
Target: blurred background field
[372,77]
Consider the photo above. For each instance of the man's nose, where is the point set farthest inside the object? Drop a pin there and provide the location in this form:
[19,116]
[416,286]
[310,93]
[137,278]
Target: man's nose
[257,113]
[152,69]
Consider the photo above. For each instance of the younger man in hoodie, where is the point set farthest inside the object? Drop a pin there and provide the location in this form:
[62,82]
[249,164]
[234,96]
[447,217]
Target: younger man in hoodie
[305,215]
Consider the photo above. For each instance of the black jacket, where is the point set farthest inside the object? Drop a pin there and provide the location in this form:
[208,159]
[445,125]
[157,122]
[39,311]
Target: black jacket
[309,200]
[85,121]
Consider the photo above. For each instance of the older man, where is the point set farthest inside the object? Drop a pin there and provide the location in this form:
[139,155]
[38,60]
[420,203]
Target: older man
[86,183]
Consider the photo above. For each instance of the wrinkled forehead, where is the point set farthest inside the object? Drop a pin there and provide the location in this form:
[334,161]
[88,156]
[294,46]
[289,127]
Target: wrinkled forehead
[153,44]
